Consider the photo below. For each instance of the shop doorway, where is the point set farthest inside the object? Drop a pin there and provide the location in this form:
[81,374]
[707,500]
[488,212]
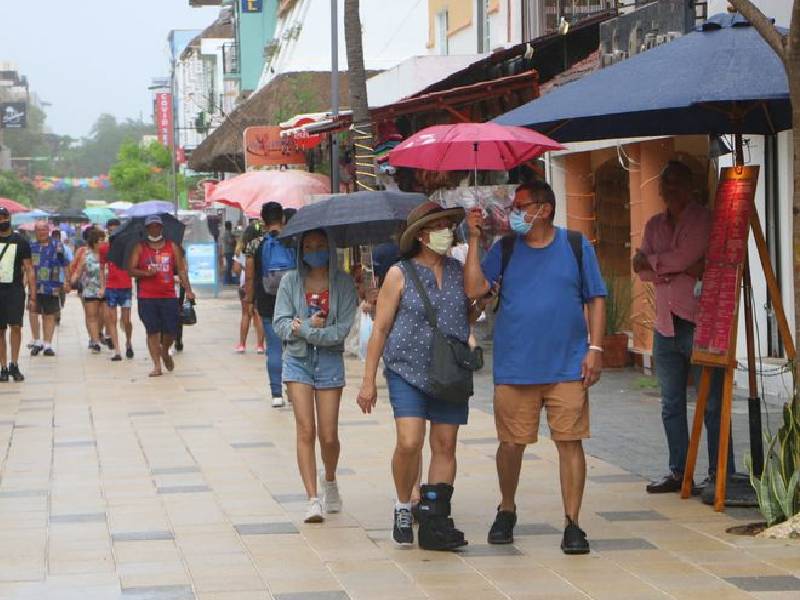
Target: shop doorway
[613,224]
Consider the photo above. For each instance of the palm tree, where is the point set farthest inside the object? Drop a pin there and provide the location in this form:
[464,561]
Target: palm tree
[357,76]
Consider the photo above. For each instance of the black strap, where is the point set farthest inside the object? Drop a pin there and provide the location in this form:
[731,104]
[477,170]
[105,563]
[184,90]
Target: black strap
[5,249]
[430,313]
[575,239]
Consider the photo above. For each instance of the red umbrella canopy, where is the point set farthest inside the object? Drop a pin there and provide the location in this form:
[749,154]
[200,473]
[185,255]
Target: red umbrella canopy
[465,146]
[290,188]
[12,206]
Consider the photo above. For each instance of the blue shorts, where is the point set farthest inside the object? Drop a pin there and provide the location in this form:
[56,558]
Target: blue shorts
[159,315]
[408,401]
[119,297]
[321,368]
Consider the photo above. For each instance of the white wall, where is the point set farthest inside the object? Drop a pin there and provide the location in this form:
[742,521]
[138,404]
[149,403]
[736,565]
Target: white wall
[465,41]
[773,385]
[780,10]
[392,32]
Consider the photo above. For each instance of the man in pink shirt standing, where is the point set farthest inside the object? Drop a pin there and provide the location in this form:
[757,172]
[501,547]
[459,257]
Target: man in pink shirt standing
[672,257]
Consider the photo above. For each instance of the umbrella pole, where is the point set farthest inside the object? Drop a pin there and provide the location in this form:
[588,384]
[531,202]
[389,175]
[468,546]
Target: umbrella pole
[475,172]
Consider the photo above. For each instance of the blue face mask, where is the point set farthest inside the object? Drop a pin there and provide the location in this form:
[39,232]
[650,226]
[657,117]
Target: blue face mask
[317,259]
[518,224]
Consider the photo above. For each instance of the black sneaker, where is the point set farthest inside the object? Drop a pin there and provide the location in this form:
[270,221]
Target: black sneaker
[129,352]
[96,349]
[49,352]
[13,370]
[179,346]
[502,531]
[574,540]
[116,358]
[109,342]
[403,532]
[35,349]
[3,374]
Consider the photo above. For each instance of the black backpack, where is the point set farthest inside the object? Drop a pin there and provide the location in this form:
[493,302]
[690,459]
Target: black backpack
[575,239]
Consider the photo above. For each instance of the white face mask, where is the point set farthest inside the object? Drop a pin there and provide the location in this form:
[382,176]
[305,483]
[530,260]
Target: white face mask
[440,241]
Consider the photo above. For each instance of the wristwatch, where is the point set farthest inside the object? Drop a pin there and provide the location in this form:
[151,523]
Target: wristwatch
[597,348]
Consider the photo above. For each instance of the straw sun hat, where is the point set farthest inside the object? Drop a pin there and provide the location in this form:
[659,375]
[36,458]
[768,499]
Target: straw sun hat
[425,213]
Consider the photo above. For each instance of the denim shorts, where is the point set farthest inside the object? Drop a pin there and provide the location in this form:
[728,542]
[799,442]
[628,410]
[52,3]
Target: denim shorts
[119,297]
[321,368]
[408,401]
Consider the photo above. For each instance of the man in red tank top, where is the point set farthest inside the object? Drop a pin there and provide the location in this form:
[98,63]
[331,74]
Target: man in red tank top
[153,263]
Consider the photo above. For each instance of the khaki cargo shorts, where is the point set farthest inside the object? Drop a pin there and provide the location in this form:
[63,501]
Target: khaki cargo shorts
[517,410]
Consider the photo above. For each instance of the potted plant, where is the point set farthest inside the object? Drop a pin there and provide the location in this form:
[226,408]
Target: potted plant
[618,312]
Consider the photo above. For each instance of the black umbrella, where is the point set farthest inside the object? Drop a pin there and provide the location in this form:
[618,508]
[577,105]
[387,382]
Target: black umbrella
[124,239]
[69,215]
[357,218]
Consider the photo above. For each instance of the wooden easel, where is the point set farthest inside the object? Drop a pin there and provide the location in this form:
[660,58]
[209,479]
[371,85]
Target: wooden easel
[726,358]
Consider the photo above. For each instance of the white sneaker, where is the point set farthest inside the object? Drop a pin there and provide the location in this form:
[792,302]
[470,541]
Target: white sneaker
[314,511]
[278,402]
[331,499]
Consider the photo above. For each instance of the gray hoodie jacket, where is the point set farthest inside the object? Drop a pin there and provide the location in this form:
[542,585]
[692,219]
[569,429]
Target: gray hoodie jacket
[291,303]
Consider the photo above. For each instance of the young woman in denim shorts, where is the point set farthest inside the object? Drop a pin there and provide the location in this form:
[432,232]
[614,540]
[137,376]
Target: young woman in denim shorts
[314,311]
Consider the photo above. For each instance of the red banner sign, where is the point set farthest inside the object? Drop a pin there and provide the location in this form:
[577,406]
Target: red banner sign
[719,301]
[164,118]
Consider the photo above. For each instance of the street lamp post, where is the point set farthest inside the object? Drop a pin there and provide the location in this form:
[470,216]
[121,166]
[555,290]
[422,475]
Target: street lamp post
[334,95]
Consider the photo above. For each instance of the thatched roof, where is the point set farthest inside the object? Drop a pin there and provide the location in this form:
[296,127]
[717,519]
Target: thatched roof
[287,95]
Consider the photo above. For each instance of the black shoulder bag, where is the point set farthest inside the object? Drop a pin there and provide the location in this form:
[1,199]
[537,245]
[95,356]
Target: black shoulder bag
[452,361]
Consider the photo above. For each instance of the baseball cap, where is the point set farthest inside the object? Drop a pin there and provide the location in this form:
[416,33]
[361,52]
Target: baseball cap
[153,219]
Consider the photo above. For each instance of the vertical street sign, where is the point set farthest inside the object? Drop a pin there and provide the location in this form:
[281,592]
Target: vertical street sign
[164,118]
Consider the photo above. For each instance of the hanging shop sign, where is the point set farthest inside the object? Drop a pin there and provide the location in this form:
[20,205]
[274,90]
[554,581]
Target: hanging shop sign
[164,119]
[252,6]
[303,139]
[264,147]
[13,115]
[715,336]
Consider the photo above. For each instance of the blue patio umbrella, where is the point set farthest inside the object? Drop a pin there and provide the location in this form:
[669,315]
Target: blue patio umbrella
[722,78]
[150,207]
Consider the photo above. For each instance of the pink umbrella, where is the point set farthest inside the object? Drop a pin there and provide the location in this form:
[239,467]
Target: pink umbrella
[290,188]
[462,146]
[13,207]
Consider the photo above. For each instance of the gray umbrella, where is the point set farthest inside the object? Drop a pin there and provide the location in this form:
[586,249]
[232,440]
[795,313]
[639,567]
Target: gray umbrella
[355,219]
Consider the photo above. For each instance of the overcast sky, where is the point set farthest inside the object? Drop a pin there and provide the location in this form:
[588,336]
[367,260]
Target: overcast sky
[87,57]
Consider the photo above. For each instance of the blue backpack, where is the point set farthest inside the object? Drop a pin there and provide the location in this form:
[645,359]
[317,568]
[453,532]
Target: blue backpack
[276,261]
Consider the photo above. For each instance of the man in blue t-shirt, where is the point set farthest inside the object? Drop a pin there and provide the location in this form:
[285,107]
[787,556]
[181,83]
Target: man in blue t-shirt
[544,356]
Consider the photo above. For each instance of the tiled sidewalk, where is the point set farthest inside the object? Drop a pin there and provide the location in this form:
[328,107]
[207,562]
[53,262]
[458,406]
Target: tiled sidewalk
[117,486]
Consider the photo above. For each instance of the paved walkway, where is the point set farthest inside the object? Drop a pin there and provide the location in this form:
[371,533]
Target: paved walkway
[117,486]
